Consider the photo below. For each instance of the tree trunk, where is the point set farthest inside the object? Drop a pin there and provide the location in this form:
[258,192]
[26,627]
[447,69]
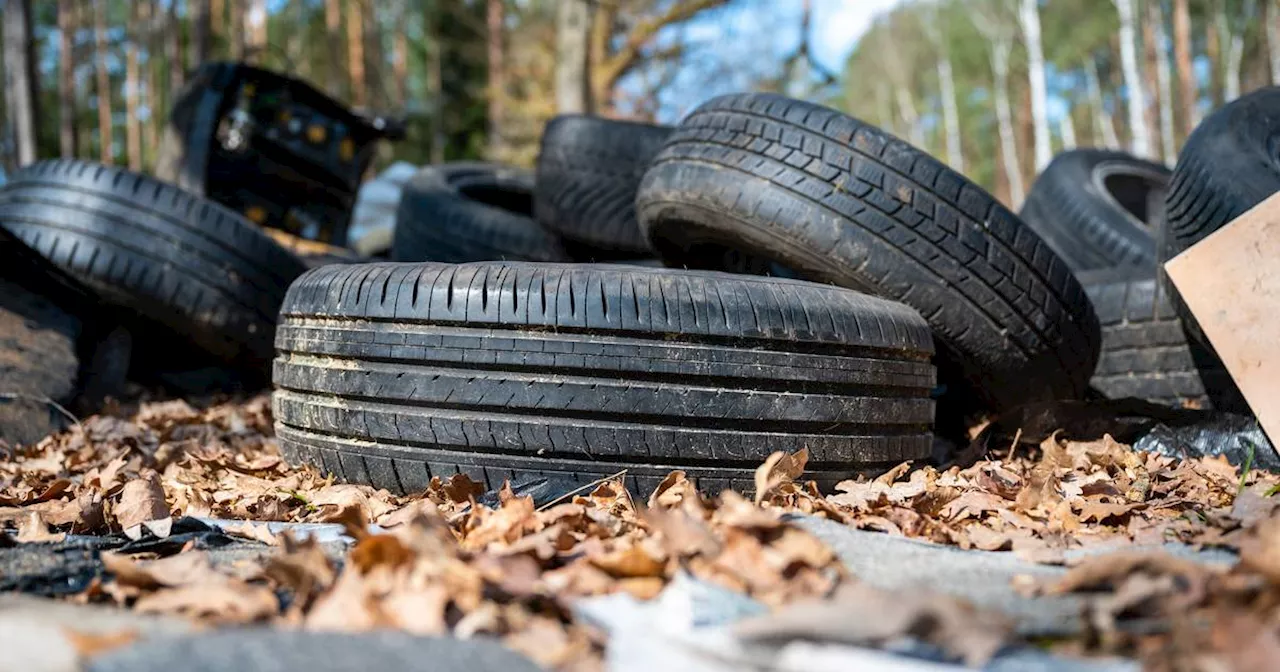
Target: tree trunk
[495,16]
[910,118]
[296,33]
[105,149]
[573,23]
[67,25]
[217,24]
[255,30]
[1188,89]
[1164,81]
[1004,121]
[1151,66]
[400,56]
[374,57]
[950,115]
[1029,18]
[355,53]
[333,27]
[1141,141]
[1273,41]
[1215,35]
[435,82]
[236,24]
[1235,53]
[20,80]
[177,70]
[1104,130]
[200,14]
[132,79]
[155,113]
[1067,128]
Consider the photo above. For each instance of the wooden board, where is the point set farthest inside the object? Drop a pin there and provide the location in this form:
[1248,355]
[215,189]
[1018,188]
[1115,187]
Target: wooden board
[1231,282]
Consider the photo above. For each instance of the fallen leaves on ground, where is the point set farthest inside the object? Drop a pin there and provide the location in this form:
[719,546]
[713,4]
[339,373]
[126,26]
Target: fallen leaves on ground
[447,563]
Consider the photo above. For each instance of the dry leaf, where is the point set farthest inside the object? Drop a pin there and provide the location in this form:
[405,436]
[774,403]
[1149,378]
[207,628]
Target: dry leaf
[141,501]
[777,469]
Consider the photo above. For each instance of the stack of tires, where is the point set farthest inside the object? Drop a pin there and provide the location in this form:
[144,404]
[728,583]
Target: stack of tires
[1115,219]
[767,275]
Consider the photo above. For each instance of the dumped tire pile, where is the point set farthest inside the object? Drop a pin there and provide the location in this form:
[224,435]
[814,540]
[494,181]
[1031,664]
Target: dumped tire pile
[500,346]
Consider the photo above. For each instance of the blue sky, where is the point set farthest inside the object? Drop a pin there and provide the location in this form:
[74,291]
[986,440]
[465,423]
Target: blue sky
[837,25]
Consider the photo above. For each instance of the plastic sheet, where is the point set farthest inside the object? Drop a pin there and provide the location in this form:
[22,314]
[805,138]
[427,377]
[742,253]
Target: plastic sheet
[1237,437]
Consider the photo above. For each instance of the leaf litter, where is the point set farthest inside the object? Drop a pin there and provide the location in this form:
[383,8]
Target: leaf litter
[447,563]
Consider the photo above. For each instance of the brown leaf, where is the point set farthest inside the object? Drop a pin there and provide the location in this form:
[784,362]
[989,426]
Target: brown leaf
[247,530]
[227,601]
[90,644]
[53,490]
[34,530]
[380,550]
[461,489]
[631,562]
[777,469]
[141,501]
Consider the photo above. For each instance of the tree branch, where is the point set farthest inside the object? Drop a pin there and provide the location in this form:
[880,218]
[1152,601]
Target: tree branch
[608,71]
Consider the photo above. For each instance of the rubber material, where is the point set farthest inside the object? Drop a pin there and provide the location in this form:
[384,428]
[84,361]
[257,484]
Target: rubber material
[180,262]
[1145,352]
[462,212]
[1231,162]
[394,373]
[839,201]
[587,174]
[1098,208]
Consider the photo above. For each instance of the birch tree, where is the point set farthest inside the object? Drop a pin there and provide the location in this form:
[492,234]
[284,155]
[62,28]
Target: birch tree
[1102,124]
[999,35]
[19,78]
[494,18]
[1141,140]
[947,84]
[1235,50]
[1067,129]
[1164,83]
[1188,90]
[1273,41]
[573,22]
[106,152]
[68,22]
[355,53]
[1029,19]
[132,79]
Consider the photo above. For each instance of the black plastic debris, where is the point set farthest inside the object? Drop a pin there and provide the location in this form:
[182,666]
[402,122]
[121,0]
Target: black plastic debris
[1236,437]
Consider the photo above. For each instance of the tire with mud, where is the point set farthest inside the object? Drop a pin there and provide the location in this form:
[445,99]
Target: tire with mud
[391,374]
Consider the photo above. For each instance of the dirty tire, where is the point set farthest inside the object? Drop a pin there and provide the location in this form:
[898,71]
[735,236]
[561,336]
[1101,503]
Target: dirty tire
[1231,162]
[393,373]
[179,262]
[462,212]
[839,201]
[39,364]
[587,174]
[1145,352]
[1098,208]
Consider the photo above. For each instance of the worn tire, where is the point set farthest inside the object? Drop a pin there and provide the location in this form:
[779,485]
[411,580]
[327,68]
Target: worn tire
[1145,351]
[839,201]
[588,171]
[1231,163]
[181,263]
[394,373]
[462,212]
[1098,208]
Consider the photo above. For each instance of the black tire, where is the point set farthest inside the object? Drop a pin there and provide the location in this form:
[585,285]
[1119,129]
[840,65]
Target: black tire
[394,373]
[181,263]
[1145,351]
[1230,163]
[464,212]
[835,200]
[587,175]
[39,364]
[1098,208]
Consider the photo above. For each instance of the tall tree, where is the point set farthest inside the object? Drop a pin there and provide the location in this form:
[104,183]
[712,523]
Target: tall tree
[1164,80]
[433,21]
[217,24]
[573,23]
[1188,90]
[20,78]
[68,23]
[1235,50]
[255,30]
[355,53]
[947,86]
[1215,40]
[400,55]
[201,25]
[495,18]
[1067,128]
[173,51]
[105,148]
[132,84]
[1103,126]
[1029,18]
[334,78]
[1273,40]
[155,112]
[1151,66]
[1141,137]
[237,24]
[999,33]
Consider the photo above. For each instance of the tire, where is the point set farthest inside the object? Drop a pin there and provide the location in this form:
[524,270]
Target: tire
[1231,163]
[588,171]
[180,264]
[393,373]
[835,200]
[1098,209]
[464,212]
[1146,353]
